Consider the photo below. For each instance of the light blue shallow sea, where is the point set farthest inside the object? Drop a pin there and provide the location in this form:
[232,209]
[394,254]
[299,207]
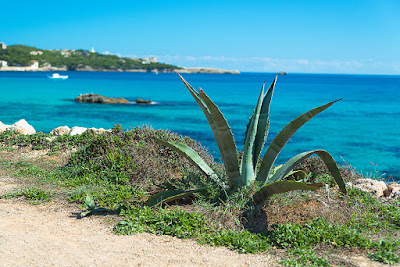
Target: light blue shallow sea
[363,129]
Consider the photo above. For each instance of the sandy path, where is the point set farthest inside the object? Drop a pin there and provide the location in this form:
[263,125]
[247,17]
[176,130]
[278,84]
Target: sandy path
[49,235]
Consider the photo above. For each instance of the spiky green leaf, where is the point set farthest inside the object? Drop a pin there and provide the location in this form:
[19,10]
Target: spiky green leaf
[93,211]
[263,124]
[89,202]
[168,196]
[86,213]
[247,164]
[190,154]
[282,187]
[283,137]
[326,158]
[226,143]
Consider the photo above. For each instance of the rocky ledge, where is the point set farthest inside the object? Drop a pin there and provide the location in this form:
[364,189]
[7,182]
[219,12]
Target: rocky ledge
[95,98]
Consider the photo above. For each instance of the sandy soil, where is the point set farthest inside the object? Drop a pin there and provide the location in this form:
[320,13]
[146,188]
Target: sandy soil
[51,235]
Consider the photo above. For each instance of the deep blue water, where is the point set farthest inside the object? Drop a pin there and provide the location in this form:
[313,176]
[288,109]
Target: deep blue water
[363,129]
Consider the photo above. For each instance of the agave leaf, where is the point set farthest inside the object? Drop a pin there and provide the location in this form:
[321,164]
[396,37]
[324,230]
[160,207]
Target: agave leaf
[231,167]
[282,187]
[190,154]
[226,143]
[247,164]
[89,202]
[300,174]
[93,211]
[199,102]
[283,137]
[263,124]
[325,156]
[86,213]
[203,107]
[168,196]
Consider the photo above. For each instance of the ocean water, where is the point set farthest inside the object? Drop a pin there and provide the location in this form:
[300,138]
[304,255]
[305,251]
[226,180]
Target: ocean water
[363,129]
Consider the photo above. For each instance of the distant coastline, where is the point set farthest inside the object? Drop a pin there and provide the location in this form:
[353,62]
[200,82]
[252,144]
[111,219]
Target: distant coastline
[181,70]
[26,58]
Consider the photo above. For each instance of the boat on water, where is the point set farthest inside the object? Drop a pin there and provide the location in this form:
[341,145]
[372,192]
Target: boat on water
[58,76]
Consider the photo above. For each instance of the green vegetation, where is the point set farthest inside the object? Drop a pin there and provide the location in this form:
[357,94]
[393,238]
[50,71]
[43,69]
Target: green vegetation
[116,171]
[269,177]
[304,257]
[33,194]
[19,55]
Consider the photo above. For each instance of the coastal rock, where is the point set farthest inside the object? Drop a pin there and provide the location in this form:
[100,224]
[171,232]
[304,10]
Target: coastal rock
[95,98]
[77,130]
[142,101]
[376,188]
[61,130]
[3,127]
[23,127]
[394,190]
[96,131]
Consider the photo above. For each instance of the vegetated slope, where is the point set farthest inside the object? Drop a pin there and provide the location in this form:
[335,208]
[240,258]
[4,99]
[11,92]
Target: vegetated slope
[20,55]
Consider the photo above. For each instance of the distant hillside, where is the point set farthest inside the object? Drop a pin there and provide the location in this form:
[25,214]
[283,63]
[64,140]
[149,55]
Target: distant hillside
[21,55]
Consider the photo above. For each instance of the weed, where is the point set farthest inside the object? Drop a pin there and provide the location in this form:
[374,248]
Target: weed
[161,222]
[304,257]
[33,194]
[384,256]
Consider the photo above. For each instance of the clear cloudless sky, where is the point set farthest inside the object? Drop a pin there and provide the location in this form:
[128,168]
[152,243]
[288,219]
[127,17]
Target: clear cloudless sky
[329,36]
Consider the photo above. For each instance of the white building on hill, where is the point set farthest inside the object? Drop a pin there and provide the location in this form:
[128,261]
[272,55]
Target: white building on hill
[3,45]
[35,65]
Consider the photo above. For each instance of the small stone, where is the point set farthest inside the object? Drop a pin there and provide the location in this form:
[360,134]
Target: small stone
[61,130]
[395,193]
[376,188]
[96,131]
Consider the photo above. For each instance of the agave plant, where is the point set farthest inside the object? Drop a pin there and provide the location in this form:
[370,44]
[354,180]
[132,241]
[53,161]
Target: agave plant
[271,178]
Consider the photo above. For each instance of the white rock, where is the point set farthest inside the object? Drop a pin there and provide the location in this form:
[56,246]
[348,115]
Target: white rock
[61,130]
[23,127]
[77,130]
[372,186]
[395,190]
[3,127]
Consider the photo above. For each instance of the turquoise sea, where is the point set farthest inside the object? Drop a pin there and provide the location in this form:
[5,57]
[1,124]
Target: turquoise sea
[362,130]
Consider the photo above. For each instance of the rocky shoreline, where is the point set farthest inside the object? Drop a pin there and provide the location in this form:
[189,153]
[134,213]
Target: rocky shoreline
[90,69]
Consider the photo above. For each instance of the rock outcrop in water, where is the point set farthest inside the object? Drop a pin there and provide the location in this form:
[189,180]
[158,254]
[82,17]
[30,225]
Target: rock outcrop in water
[95,98]
[142,101]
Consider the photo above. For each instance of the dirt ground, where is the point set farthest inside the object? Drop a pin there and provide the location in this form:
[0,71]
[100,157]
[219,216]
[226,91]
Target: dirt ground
[51,235]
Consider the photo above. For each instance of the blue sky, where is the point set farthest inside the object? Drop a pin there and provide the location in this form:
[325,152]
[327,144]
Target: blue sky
[261,36]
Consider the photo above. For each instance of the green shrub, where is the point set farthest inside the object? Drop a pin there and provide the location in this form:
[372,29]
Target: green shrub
[384,256]
[304,257]
[161,222]
[33,194]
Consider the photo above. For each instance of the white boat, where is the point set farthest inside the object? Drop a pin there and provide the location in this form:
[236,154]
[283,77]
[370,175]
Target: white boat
[58,76]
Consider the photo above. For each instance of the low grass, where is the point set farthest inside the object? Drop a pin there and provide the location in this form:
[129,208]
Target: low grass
[120,170]
[32,194]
